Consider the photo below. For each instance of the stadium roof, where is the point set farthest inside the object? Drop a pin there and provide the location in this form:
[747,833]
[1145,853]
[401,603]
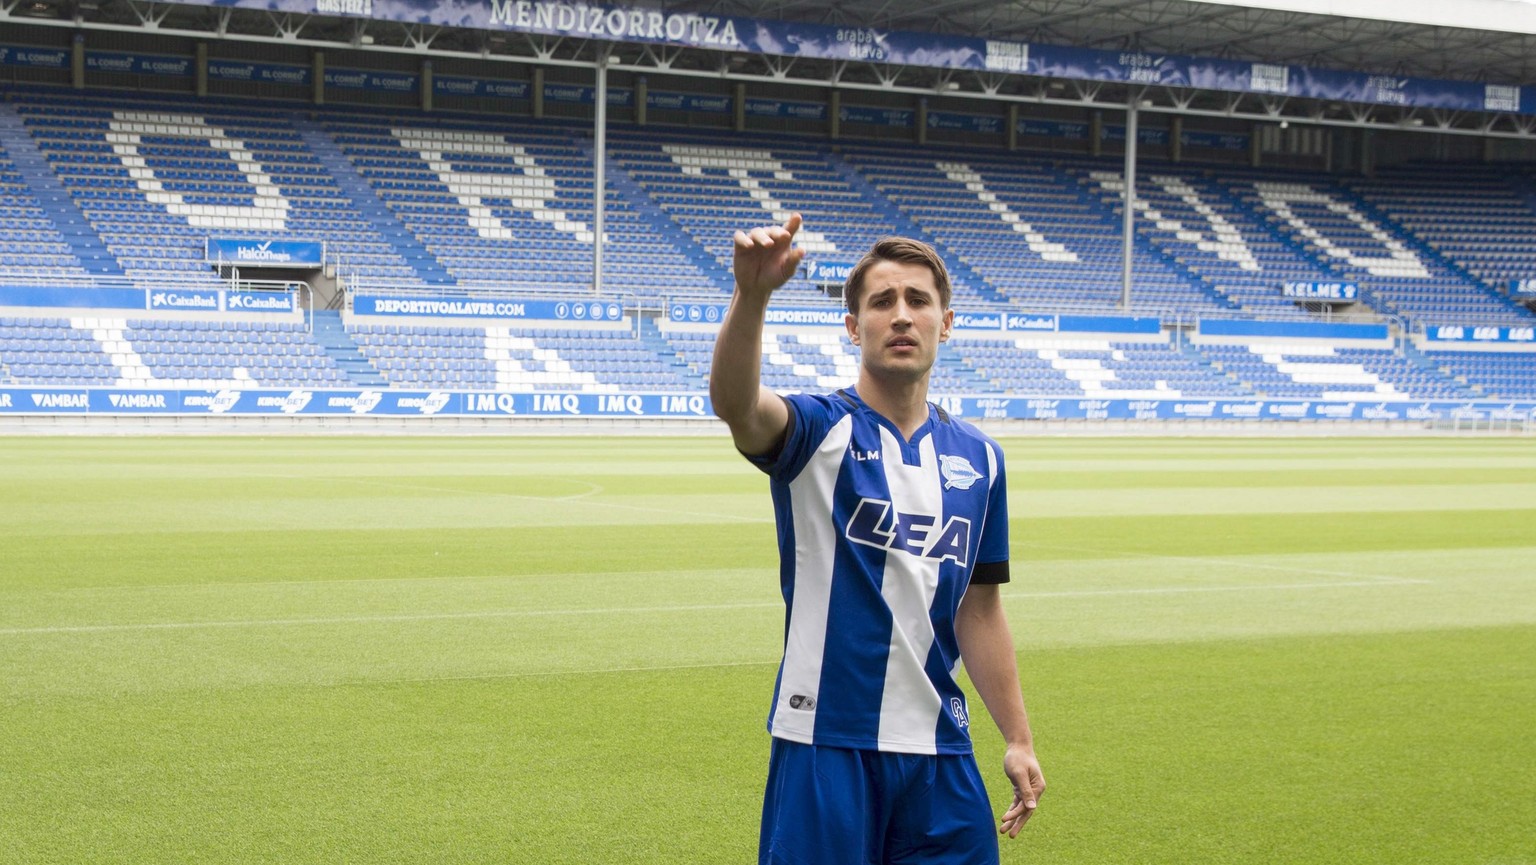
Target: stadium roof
[1474,40]
[1489,41]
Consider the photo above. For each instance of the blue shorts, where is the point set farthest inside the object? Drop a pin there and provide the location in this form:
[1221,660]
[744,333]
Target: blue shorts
[838,806]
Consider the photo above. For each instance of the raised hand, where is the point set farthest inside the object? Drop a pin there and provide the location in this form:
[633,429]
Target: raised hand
[766,257]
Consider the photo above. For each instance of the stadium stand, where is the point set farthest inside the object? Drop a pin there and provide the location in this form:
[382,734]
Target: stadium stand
[1301,371]
[212,354]
[1495,375]
[156,176]
[1480,219]
[1352,240]
[711,184]
[102,351]
[1095,369]
[129,186]
[516,358]
[1023,226]
[509,207]
[1210,237]
[53,351]
[32,249]
[796,362]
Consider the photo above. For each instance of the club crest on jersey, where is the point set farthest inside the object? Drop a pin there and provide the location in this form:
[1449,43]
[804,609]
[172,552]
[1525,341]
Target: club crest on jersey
[875,523]
[957,472]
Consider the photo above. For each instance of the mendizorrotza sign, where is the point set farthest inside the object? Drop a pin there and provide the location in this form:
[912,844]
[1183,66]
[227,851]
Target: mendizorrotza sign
[255,252]
[574,19]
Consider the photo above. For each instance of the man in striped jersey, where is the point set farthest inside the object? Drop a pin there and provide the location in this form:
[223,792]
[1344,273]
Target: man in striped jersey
[893,539]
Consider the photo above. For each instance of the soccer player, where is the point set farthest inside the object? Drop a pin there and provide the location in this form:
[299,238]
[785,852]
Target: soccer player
[893,539]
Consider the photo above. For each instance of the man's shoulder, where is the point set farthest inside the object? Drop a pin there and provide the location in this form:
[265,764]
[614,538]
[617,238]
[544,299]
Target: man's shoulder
[965,430]
[833,404]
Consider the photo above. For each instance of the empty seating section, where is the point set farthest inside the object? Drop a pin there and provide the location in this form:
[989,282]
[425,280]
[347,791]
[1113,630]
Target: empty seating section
[156,177]
[818,362]
[32,250]
[712,185]
[106,352]
[1082,368]
[1208,235]
[1353,242]
[1305,371]
[1479,217]
[506,205]
[1027,228]
[510,206]
[1094,368]
[515,359]
[52,351]
[214,354]
[1494,375]
[791,362]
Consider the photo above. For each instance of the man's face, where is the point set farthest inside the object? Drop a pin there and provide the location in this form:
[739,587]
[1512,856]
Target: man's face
[900,321]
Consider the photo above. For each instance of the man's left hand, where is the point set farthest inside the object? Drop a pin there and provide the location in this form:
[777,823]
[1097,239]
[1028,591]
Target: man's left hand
[1023,769]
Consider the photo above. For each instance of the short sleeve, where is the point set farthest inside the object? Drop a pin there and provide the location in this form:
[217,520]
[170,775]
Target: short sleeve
[994,531]
[810,416]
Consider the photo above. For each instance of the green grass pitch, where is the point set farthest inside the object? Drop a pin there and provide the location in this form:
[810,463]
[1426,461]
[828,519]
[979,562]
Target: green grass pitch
[541,650]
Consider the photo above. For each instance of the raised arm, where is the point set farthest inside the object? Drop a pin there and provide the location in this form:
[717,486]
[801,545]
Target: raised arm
[765,258]
[986,648]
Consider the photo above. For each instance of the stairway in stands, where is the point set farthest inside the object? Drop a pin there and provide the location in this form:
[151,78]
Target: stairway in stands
[332,336]
[53,198]
[368,204]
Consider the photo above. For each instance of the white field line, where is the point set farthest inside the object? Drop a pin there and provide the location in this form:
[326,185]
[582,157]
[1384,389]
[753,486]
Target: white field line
[680,608]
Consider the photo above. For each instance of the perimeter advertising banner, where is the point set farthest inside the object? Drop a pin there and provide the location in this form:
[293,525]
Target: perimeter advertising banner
[1328,330]
[201,300]
[383,402]
[616,23]
[259,252]
[1012,323]
[449,306]
[1344,292]
[1517,335]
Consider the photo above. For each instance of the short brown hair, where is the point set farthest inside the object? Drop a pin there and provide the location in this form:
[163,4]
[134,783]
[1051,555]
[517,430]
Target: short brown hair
[902,250]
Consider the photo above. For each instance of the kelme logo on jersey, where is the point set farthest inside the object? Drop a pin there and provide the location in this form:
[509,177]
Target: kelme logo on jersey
[957,472]
[876,523]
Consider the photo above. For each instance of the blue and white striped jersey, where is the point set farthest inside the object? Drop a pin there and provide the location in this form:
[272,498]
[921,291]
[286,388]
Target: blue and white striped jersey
[878,540]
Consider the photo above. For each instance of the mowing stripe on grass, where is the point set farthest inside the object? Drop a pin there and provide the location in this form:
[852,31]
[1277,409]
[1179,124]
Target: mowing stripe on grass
[677,608]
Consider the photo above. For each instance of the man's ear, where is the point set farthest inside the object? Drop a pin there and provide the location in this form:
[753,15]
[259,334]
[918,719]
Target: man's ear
[851,322]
